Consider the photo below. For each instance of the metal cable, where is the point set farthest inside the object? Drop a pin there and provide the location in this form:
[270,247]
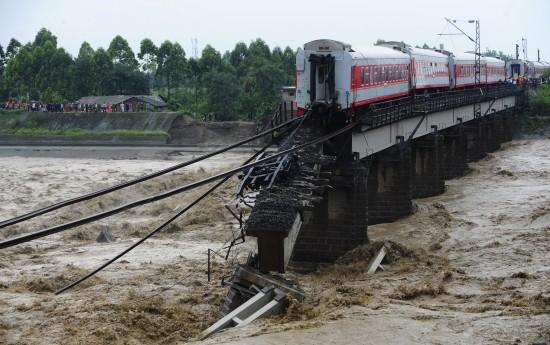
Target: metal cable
[53,230]
[96,194]
[171,219]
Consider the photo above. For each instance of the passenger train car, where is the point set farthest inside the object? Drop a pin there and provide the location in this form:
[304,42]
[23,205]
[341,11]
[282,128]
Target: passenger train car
[332,73]
[532,70]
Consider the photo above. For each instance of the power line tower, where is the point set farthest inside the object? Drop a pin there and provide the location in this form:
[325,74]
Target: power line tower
[478,54]
[477,59]
[194,48]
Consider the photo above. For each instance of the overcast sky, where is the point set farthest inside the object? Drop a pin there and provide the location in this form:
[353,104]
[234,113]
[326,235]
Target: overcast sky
[280,22]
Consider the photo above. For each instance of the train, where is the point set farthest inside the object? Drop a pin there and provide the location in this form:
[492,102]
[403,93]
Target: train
[531,70]
[332,74]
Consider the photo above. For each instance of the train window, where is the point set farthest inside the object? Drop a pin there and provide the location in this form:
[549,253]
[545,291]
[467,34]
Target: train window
[369,80]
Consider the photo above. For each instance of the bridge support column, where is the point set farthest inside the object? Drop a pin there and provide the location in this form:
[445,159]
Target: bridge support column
[476,140]
[455,152]
[427,166]
[509,125]
[337,224]
[494,132]
[389,192]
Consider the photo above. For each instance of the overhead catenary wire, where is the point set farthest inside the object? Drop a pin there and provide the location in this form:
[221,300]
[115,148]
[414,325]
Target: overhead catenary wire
[55,229]
[174,217]
[122,185]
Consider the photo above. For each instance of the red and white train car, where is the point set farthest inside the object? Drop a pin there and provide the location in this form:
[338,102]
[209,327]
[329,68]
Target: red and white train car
[377,74]
[495,70]
[492,70]
[464,69]
[329,71]
[430,69]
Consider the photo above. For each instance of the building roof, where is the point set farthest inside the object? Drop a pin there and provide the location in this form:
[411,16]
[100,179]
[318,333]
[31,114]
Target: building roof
[157,101]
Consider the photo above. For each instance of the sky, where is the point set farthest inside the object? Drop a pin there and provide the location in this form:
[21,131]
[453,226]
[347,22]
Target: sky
[280,23]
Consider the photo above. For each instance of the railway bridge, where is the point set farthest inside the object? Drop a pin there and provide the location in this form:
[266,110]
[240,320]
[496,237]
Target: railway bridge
[333,175]
[396,152]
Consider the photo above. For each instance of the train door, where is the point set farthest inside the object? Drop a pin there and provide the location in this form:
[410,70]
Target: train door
[321,78]
[515,70]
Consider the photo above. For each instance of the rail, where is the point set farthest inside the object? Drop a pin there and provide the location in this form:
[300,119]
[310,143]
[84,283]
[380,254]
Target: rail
[385,113]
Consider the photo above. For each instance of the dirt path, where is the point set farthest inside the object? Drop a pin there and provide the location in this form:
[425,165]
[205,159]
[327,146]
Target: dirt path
[474,269]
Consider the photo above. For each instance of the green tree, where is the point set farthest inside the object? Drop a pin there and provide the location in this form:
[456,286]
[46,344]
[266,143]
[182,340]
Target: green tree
[172,65]
[2,61]
[12,48]
[289,65]
[121,53]
[211,59]
[84,76]
[222,93]
[237,58]
[44,36]
[125,80]
[103,68]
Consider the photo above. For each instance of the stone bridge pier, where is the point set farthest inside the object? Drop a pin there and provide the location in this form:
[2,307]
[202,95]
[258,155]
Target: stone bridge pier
[455,151]
[388,186]
[428,166]
[338,223]
[476,140]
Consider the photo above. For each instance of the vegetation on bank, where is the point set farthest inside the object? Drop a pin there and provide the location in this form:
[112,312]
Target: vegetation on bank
[539,104]
[243,83]
[538,111]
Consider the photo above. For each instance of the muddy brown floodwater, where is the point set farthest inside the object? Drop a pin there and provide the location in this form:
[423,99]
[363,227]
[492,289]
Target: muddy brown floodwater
[471,266]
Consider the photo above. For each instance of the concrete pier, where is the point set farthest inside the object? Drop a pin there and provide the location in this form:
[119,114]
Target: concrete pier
[389,188]
[428,166]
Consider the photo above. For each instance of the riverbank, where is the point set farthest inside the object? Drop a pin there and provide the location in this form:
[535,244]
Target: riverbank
[134,129]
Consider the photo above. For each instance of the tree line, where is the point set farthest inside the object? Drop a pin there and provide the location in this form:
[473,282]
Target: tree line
[243,83]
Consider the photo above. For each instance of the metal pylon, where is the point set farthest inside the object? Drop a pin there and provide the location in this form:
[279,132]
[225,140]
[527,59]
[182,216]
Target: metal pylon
[477,69]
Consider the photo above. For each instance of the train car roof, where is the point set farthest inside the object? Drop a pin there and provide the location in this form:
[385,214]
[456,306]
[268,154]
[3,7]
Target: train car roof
[464,56]
[427,52]
[373,52]
[493,59]
[540,64]
[326,45]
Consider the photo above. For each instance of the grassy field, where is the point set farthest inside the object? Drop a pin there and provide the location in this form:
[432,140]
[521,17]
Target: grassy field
[78,132]
[21,123]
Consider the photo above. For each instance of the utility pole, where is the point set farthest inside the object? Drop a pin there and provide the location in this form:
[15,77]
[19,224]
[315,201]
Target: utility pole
[538,55]
[524,46]
[517,51]
[477,53]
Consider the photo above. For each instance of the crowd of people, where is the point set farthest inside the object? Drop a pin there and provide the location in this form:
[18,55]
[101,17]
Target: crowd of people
[73,107]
